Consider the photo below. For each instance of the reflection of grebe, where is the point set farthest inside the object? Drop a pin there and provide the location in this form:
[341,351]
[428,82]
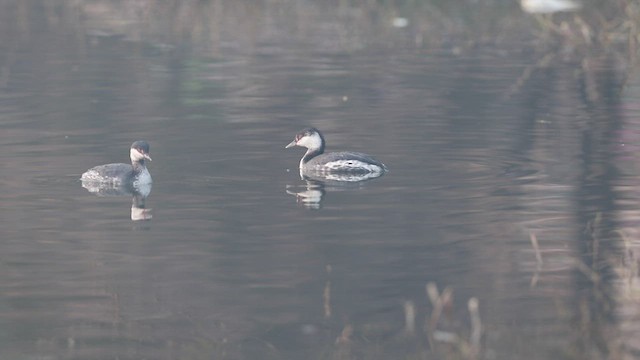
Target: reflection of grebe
[350,164]
[138,193]
[139,209]
[123,174]
[312,194]
[310,197]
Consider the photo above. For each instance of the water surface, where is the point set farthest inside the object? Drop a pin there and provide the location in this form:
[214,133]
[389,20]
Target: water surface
[514,189]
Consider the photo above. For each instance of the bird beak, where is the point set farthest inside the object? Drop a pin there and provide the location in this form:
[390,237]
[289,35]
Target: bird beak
[293,143]
[146,156]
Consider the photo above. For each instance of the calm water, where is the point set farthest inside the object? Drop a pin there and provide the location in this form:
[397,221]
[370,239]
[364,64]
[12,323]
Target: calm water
[490,170]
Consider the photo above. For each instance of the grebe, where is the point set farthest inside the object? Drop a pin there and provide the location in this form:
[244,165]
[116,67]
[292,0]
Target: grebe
[123,174]
[316,161]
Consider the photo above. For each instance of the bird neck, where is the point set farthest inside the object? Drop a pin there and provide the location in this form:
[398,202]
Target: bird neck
[311,153]
[138,164]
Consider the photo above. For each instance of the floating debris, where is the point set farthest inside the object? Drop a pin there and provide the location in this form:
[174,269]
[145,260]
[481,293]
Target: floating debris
[400,22]
[548,6]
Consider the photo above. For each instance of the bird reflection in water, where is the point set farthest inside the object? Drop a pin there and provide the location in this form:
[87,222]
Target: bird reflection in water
[138,193]
[311,194]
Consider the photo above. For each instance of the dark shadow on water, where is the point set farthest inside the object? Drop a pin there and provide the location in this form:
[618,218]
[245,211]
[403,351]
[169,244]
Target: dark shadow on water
[598,247]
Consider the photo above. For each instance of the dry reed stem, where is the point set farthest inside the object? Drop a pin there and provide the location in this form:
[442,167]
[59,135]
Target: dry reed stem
[409,318]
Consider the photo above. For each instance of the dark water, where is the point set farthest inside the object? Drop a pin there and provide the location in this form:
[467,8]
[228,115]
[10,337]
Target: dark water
[496,162]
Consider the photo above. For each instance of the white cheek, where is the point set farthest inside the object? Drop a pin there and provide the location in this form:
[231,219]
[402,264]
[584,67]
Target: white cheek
[136,155]
[310,141]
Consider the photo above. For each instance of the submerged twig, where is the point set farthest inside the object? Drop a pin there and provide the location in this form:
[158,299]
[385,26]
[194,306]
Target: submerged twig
[476,327]
[345,335]
[536,249]
[409,318]
[439,302]
[326,295]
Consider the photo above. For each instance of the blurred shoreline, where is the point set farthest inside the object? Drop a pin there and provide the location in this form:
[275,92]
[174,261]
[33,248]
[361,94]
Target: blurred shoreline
[213,26]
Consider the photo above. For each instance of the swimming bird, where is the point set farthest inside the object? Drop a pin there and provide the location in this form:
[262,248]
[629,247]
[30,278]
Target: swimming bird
[123,174]
[315,160]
